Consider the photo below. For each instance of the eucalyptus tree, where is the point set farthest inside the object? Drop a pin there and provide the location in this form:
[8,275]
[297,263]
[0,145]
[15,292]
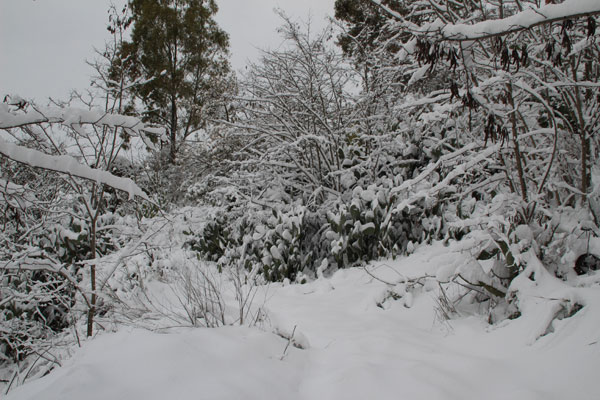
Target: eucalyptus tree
[181,53]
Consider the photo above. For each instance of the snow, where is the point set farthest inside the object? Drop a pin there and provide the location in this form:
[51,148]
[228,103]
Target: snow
[418,74]
[68,165]
[75,118]
[138,364]
[344,337]
[528,18]
[72,116]
[276,253]
[27,114]
[15,195]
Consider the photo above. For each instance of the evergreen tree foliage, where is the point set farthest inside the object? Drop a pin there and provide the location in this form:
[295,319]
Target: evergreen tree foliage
[364,24]
[181,53]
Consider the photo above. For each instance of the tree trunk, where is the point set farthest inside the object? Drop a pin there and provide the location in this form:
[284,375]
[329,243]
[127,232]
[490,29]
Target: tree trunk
[173,148]
[92,310]
[585,142]
[516,149]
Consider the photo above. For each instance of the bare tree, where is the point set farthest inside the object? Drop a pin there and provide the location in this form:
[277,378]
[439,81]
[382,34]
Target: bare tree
[293,114]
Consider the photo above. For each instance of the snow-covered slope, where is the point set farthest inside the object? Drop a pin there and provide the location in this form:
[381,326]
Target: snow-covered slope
[356,343]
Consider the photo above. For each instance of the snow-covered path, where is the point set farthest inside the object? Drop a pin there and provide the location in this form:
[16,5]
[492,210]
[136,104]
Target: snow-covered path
[354,349]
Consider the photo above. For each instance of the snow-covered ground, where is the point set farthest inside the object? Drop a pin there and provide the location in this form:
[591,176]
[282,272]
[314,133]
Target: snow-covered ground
[349,342]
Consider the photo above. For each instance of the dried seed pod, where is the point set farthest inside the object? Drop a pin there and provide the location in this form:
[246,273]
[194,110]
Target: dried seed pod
[549,50]
[505,59]
[524,55]
[591,27]
[454,91]
[516,59]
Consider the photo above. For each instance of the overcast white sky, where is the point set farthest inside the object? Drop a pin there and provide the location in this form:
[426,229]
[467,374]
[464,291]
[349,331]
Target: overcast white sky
[44,43]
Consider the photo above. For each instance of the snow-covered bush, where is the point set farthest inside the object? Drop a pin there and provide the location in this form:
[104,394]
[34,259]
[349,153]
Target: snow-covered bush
[512,124]
[36,305]
[280,240]
[278,243]
[357,231]
[213,240]
[498,248]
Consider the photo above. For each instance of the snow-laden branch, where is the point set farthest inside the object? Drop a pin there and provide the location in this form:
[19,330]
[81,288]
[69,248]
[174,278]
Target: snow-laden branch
[68,165]
[76,117]
[526,19]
